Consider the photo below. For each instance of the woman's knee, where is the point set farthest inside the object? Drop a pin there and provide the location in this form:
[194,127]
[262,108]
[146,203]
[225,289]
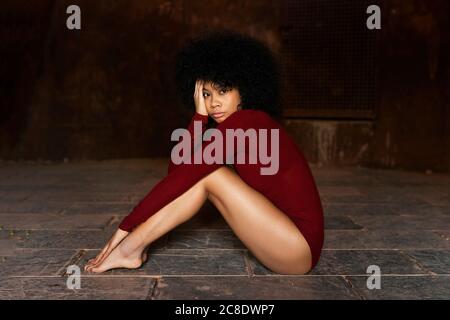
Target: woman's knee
[217,176]
[216,202]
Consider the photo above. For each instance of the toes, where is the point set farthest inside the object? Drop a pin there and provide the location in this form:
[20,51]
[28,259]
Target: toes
[89,264]
[91,269]
[88,267]
[97,269]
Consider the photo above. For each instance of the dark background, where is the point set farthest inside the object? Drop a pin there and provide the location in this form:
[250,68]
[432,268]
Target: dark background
[352,96]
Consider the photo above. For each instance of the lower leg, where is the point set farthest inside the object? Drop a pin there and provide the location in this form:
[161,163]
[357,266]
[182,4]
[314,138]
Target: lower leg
[130,253]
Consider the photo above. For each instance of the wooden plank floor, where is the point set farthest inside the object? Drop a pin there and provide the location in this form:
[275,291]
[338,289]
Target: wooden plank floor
[56,215]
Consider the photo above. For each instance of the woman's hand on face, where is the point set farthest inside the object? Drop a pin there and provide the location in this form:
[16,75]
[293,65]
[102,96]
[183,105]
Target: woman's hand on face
[116,238]
[200,106]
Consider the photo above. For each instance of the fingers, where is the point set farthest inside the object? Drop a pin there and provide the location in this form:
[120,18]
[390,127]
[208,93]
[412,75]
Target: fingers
[112,243]
[99,258]
[90,263]
[102,256]
[98,261]
[196,88]
[102,253]
[200,87]
[89,267]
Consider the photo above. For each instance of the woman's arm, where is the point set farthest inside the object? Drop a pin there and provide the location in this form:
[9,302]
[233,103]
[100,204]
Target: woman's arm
[184,176]
[196,117]
[200,114]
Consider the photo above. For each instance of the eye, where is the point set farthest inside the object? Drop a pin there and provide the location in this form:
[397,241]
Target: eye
[204,94]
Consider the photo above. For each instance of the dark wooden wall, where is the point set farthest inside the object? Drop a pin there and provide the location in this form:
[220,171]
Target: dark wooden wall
[107,91]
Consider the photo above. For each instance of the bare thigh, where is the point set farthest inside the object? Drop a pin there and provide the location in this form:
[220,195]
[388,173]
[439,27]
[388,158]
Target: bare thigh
[266,231]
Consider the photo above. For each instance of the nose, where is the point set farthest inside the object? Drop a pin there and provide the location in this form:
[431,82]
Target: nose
[214,102]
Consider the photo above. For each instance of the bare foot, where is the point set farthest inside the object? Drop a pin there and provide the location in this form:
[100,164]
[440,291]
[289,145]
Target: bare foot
[117,259]
[144,256]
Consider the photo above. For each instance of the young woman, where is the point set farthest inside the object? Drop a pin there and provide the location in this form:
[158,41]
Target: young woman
[278,217]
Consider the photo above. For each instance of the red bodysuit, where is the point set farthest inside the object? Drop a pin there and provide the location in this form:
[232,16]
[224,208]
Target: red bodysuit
[292,188]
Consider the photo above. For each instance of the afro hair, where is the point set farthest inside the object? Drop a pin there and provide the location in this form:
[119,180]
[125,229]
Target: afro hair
[230,60]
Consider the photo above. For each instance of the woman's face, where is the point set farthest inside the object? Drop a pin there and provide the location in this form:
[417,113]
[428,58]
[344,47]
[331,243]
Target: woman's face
[220,100]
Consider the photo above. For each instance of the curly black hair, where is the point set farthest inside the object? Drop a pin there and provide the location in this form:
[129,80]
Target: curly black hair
[230,60]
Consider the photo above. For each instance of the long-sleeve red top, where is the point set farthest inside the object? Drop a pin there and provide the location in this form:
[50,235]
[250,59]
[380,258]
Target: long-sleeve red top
[292,188]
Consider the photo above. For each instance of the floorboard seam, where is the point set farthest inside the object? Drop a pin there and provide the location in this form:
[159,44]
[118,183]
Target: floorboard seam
[248,266]
[76,257]
[151,293]
[417,263]
[353,289]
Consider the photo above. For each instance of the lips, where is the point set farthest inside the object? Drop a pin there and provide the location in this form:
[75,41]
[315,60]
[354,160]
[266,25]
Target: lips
[218,114]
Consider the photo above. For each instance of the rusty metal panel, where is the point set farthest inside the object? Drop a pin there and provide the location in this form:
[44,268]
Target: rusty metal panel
[329,59]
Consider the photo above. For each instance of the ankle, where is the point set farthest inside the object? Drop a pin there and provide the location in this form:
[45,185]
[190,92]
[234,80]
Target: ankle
[128,253]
